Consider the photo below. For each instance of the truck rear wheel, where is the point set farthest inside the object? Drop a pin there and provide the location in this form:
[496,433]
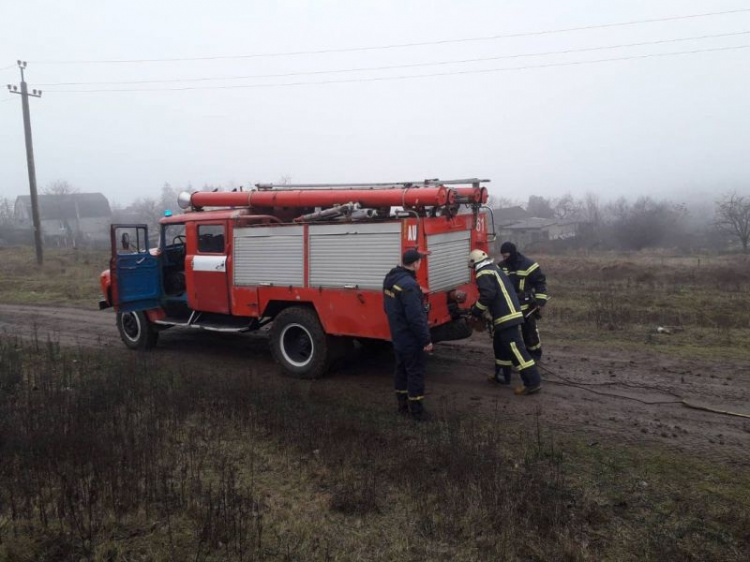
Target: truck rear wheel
[299,343]
[136,331]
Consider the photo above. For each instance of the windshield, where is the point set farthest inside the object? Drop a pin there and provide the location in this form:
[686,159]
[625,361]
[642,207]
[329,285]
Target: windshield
[173,234]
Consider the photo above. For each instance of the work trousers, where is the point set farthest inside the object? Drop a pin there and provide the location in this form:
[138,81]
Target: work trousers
[510,350]
[409,374]
[531,337]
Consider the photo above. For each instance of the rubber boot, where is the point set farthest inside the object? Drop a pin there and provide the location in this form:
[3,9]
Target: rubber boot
[501,376]
[532,382]
[527,390]
[403,404]
[416,410]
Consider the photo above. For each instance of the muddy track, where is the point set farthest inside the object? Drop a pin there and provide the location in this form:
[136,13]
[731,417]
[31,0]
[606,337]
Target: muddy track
[457,380]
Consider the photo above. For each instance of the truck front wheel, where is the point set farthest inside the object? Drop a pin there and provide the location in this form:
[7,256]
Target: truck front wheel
[299,343]
[136,331]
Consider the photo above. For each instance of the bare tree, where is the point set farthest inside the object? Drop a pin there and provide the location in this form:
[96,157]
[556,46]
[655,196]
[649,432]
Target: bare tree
[539,206]
[168,199]
[495,202]
[646,223]
[59,187]
[147,210]
[567,208]
[732,217]
[6,212]
[592,210]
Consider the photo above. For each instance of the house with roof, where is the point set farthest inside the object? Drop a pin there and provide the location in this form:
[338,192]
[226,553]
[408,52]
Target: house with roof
[509,215]
[67,219]
[517,225]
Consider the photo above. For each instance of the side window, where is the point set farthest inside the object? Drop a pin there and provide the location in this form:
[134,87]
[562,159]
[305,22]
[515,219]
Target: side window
[211,238]
[131,240]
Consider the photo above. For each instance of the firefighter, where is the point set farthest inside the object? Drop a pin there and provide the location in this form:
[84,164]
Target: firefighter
[498,300]
[407,319]
[530,285]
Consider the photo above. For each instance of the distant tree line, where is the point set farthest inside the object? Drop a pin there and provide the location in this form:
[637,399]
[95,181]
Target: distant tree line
[619,224]
[646,222]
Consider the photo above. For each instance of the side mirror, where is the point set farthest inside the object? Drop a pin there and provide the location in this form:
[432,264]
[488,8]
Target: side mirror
[125,241]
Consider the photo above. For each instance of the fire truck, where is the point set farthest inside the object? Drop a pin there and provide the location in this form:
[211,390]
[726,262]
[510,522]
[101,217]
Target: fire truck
[308,261]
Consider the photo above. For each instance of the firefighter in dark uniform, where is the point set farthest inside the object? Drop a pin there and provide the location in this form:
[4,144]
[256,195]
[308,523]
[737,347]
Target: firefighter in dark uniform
[530,285]
[498,300]
[407,319]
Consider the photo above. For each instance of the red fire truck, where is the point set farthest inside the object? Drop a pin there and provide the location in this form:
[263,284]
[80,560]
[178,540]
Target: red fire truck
[307,259]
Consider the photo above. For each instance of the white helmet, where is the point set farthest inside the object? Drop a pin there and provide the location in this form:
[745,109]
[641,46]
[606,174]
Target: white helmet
[476,256]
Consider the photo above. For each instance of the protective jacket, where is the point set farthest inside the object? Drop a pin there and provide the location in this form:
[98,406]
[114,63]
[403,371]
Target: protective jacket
[529,283]
[404,306]
[497,296]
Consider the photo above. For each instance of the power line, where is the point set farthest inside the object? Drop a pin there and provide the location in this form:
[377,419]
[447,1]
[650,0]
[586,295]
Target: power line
[400,45]
[413,76]
[401,66]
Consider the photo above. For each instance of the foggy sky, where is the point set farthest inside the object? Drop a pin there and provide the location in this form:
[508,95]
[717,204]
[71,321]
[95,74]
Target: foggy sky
[667,127]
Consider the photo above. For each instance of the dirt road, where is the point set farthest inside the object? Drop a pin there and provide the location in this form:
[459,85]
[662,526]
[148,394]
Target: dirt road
[604,411]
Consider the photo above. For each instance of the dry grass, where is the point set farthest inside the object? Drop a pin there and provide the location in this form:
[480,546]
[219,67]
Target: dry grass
[67,277]
[112,456]
[601,299]
[621,300]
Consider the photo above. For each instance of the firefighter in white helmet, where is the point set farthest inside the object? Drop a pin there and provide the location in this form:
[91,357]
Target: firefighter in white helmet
[498,299]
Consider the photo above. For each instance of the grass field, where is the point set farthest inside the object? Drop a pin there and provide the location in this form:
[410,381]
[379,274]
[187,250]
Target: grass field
[599,299]
[68,277]
[108,456]
[621,300]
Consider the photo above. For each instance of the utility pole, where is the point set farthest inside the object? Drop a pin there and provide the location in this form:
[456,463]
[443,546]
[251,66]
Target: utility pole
[24,92]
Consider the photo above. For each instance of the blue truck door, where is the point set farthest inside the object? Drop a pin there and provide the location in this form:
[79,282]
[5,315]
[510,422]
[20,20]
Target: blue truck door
[136,272]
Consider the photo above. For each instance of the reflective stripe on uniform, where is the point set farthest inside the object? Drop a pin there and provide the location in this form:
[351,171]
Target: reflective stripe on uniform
[508,317]
[521,363]
[402,392]
[525,272]
[503,363]
[415,398]
[502,288]
[397,288]
[389,294]
[541,296]
[522,284]
[524,307]
[480,306]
